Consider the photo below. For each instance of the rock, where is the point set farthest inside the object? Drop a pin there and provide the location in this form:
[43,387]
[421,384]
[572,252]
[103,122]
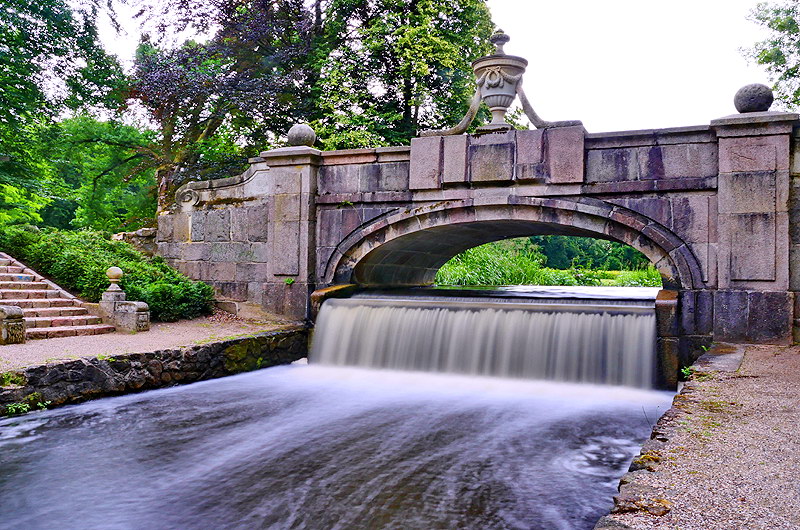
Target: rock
[624,503]
[753,98]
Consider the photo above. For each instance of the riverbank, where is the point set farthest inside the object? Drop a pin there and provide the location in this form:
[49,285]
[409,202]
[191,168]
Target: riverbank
[723,457]
[53,372]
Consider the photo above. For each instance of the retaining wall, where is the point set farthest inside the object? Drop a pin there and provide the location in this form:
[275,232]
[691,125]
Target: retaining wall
[78,380]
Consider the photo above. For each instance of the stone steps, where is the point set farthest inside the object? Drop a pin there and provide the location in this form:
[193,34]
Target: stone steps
[68,331]
[10,294]
[29,285]
[18,277]
[54,311]
[48,311]
[61,321]
[39,302]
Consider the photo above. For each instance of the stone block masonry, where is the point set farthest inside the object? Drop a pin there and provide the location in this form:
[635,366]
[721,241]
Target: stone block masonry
[74,381]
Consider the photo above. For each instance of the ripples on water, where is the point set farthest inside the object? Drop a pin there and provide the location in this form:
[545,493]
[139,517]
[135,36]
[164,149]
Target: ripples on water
[326,447]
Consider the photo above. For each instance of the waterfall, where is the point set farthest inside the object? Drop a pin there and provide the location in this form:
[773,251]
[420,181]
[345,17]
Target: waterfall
[588,341]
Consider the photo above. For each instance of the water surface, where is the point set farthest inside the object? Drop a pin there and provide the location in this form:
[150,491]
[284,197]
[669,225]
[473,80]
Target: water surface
[327,447]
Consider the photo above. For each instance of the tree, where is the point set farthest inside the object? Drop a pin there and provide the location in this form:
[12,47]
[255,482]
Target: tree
[780,53]
[364,72]
[564,252]
[218,102]
[388,68]
[50,61]
[107,179]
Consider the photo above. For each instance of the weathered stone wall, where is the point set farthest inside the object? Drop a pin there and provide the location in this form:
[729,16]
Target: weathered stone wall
[143,239]
[220,234]
[73,381]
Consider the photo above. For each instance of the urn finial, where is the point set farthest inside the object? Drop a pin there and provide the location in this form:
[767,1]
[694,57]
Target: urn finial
[499,39]
[114,275]
[499,81]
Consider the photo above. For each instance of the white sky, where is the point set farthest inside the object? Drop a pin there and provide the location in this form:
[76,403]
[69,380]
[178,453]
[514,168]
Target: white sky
[632,64]
[614,64]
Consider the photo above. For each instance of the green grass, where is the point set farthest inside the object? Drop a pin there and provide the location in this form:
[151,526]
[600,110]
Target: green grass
[519,262]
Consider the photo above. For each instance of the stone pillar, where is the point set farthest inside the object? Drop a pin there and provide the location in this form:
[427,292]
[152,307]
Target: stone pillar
[292,189]
[754,300]
[668,354]
[12,325]
[122,314]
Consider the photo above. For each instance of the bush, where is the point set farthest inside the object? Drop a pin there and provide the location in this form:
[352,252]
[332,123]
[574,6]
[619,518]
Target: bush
[78,262]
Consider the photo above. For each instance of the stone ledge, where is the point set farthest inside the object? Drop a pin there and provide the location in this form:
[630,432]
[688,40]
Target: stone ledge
[89,378]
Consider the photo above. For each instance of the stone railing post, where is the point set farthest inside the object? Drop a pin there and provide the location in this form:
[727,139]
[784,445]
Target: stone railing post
[12,325]
[754,302]
[124,315]
[292,190]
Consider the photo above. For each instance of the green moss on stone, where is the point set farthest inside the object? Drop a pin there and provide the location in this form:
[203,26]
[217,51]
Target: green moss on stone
[244,356]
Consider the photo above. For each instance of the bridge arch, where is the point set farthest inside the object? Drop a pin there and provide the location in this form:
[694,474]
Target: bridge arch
[406,247]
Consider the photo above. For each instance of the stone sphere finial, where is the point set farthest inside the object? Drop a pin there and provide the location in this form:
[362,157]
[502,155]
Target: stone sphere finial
[499,39]
[302,135]
[753,98]
[114,276]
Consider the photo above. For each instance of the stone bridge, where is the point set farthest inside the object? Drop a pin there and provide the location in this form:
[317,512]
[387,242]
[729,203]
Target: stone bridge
[713,207]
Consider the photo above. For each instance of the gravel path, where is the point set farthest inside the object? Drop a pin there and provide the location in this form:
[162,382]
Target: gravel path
[161,336]
[733,456]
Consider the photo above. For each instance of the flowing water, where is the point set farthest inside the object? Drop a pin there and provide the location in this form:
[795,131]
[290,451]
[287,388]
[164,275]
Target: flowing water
[319,446]
[586,340]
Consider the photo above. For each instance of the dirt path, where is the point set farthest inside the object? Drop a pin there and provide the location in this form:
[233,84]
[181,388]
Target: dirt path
[732,460]
[161,336]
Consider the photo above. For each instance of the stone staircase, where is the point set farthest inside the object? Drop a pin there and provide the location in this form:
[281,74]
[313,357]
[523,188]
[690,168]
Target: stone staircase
[49,311]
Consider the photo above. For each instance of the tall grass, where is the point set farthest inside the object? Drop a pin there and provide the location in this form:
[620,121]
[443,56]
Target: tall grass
[519,262]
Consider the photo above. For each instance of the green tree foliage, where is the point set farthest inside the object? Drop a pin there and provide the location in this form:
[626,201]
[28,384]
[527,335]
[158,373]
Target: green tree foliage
[218,102]
[388,68]
[105,172]
[780,53]
[565,252]
[363,72]
[50,61]
[509,262]
[523,261]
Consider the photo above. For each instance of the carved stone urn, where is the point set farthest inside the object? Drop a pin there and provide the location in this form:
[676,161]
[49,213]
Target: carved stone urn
[499,80]
[497,77]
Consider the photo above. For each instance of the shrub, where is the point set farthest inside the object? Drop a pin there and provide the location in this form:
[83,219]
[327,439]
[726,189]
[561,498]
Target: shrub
[78,260]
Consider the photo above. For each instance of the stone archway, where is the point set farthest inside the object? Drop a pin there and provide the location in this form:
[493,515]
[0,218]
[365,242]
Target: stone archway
[407,247]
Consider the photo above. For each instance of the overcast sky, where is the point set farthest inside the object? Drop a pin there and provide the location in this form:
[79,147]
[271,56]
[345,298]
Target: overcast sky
[617,64]
[632,64]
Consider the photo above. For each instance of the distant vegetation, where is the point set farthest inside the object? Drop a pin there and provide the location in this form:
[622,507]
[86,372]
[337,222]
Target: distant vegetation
[539,260]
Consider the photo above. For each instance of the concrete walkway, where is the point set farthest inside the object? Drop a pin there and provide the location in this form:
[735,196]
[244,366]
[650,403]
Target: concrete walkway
[732,458]
[161,336]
